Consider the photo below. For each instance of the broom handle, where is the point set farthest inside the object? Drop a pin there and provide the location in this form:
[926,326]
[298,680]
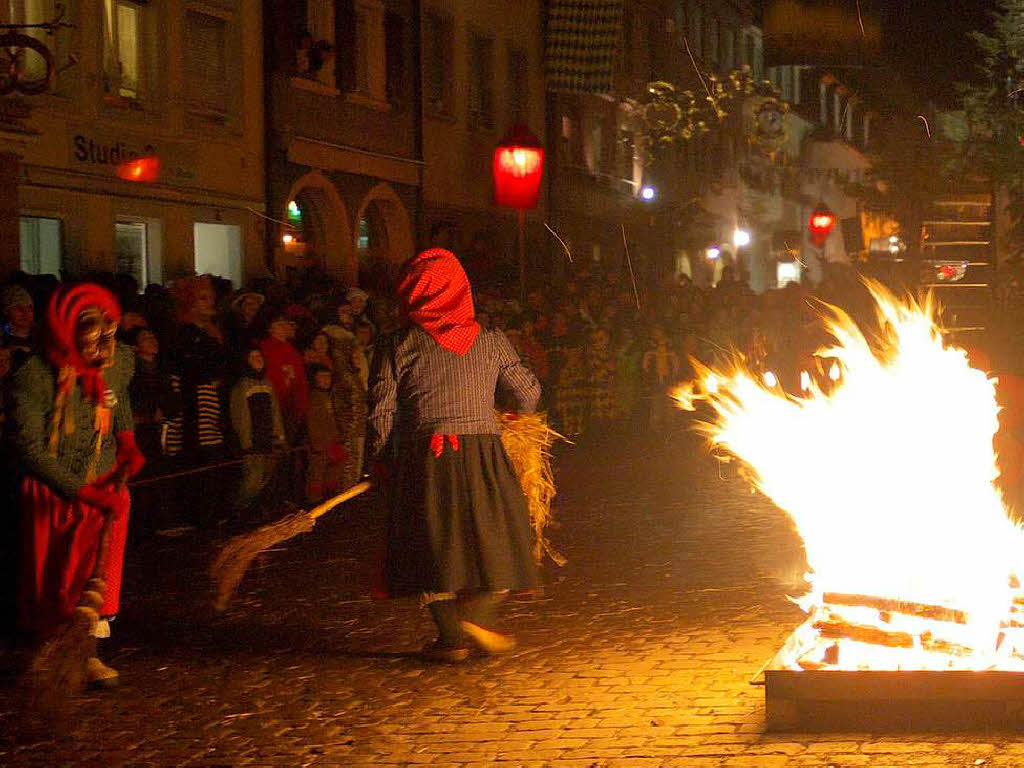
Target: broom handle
[331,503]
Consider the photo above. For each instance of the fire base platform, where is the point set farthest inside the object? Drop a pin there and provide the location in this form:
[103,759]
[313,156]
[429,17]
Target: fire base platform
[827,700]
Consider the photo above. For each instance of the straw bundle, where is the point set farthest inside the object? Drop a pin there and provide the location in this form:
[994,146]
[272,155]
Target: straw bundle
[527,440]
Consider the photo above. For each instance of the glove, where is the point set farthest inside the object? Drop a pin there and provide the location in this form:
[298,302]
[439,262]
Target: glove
[336,452]
[100,497]
[130,460]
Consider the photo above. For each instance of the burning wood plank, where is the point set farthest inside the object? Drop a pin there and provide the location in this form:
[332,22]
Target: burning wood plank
[890,605]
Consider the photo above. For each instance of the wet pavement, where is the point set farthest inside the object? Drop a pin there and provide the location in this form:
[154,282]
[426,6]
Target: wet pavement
[639,653]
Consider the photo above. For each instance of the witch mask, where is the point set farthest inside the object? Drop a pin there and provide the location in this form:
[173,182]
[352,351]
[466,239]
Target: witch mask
[94,337]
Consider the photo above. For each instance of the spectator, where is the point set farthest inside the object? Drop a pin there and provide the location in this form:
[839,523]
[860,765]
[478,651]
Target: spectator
[286,372]
[327,453]
[256,419]
[660,366]
[19,322]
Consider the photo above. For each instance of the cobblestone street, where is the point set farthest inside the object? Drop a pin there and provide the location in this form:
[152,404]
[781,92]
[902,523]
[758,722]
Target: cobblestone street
[640,653]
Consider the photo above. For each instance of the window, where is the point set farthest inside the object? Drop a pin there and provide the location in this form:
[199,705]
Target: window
[122,42]
[624,150]
[363,238]
[696,30]
[595,148]
[369,66]
[711,41]
[481,81]
[437,63]
[41,251]
[137,250]
[518,87]
[206,59]
[626,47]
[218,249]
[728,49]
[394,54]
[131,250]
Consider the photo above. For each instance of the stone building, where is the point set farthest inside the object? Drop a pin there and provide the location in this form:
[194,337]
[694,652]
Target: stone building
[146,156]
[344,137]
[482,74]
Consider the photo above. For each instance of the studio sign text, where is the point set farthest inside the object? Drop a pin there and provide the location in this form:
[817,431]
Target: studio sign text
[113,153]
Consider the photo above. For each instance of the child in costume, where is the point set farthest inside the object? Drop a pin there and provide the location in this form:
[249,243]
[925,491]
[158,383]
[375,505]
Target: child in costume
[571,392]
[660,366]
[256,419]
[600,365]
[72,436]
[327,453]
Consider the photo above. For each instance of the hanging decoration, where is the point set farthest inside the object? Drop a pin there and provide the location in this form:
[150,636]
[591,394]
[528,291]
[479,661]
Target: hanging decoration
[671,116]
[20,55]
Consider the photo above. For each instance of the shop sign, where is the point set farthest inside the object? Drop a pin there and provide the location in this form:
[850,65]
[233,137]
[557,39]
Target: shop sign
[103,153]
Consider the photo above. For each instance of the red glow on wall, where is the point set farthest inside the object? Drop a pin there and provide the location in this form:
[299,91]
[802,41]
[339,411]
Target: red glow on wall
[144,169]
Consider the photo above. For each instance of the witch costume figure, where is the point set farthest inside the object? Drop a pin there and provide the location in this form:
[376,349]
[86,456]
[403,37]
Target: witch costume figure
[72,435]
[459,533]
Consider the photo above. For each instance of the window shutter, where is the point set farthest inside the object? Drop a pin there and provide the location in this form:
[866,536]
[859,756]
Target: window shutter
[206,65]
[345,42]
[394,53]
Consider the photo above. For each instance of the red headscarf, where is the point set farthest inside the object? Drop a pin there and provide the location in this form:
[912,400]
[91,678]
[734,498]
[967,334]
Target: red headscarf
[435,294]
[61,316]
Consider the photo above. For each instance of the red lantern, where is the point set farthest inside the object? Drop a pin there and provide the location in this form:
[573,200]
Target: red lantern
[820,224]
[146,169]
[518,164]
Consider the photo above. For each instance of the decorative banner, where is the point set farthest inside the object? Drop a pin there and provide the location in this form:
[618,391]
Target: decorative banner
[583,37]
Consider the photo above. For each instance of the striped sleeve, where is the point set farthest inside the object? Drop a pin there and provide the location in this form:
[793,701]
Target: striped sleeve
[383,394]
[515,380]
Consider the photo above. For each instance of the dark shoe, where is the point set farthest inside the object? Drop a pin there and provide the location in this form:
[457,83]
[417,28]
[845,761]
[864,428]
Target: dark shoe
[488,640]
[444,652]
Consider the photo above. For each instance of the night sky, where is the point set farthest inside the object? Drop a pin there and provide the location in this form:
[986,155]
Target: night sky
[927,40]
[924,41]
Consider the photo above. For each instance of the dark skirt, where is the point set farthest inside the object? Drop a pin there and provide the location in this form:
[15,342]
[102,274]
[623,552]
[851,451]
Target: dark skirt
[458,521]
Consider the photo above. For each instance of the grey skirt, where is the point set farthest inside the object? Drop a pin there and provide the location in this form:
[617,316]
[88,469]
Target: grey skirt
[458,522]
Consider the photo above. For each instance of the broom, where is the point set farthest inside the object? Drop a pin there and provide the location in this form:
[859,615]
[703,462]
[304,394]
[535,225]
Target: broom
[230,565]
[58,668]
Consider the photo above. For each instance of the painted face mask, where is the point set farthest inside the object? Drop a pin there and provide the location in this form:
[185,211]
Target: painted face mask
[94,337]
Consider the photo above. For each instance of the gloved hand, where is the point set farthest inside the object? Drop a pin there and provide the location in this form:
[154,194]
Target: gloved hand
[130,460]
[102,497]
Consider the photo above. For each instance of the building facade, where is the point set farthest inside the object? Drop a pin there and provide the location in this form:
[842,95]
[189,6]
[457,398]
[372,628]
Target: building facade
[146,157]
[608,183]
[344,145]
[482,74]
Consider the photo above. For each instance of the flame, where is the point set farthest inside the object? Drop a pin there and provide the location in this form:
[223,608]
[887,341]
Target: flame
[888,477]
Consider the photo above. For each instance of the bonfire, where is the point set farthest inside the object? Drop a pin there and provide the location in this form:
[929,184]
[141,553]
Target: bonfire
[888,475]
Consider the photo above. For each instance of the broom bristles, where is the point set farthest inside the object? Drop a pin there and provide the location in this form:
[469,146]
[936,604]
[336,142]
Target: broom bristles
[231,564]
[58,668]
[527,440]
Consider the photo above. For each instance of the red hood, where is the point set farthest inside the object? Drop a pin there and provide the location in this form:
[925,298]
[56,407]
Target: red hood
[434,293]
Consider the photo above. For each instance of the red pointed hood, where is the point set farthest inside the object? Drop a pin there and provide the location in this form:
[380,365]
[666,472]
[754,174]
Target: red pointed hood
[65,306]
[434,293]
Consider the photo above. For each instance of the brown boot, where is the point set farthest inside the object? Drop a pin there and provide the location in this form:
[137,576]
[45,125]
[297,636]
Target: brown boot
[98,676]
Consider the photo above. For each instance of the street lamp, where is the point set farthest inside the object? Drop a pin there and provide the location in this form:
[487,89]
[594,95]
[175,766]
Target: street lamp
[740,238]
[820,224]
[517,168]
[648,193]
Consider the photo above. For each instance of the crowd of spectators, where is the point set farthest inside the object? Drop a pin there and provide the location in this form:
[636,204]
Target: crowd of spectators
[265,389]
